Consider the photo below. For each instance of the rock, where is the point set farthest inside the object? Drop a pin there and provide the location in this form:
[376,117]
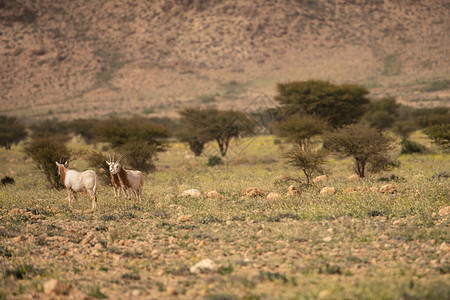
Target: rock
[328,190]
[348,190]
[192,193]
[445,211]
[54,286]
[184,218]
[273,196]
[387,188]
[213,194]
[293,191]
[18,239]
[324,294]
[320,178]
[362,189]
[252,192]
[205,265]
[444,247]
[353,177]
[327,239]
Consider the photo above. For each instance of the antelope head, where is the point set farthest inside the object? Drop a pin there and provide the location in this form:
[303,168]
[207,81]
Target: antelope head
[62,163]
[114,167]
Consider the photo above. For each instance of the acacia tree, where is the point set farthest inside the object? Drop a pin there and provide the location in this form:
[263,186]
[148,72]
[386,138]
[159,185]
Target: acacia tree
[309,161]
[11,131]
[300,129]
[204,125]
[193,127]
[440,134]
[337,104]
[368,147]
[382,113]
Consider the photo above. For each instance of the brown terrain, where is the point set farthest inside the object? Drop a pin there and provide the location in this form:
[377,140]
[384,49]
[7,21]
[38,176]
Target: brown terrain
[80,58]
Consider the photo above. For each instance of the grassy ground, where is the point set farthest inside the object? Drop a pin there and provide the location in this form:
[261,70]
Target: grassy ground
[363,245]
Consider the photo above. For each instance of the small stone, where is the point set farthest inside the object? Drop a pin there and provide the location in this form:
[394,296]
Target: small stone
[205,265]
[328,191]
[98,246]
[54,286]
[324,294]
[445,211]
[213,194]
[192,193]
[353,177]
[252,192]
[184,218]
[444,247]
[273,196]
[373,189]
[18,239]
[348,190]
[327,239]
[320,178]
[201,244]
[136,293]
[293,191]
[387,188]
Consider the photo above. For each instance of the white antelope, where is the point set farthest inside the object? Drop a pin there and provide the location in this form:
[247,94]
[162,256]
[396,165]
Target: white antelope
[115,182]
[129,179]
[75,182]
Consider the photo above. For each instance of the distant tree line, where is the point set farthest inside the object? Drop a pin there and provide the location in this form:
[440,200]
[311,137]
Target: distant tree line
[310,113]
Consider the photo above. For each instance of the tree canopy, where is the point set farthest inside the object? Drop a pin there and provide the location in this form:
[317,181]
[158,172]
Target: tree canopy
[11,131]
[337,104]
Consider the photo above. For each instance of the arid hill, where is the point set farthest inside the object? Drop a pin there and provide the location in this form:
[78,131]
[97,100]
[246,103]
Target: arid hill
[81,58]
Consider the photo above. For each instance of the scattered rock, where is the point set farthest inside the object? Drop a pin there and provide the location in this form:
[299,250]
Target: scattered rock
[328,190]
[353,177]
[387,188]
[327,239]
[54,286]
[320,178]
[184,218]
[273,196]
[445,211]
[205,265]
[348,190]
[18,239]
[252,192]
[362,189]
[444,247]
[293,191]
[213,194]
[192,193]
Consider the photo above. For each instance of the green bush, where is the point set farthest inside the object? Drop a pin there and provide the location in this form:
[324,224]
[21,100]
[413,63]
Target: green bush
[368,147]
[45,151]
[11,131]
[97,160]
[214,161]
[410,147]
[300,129]
[440,134]
[309,161]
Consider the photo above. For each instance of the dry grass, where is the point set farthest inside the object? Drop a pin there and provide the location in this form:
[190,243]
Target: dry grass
[359,245]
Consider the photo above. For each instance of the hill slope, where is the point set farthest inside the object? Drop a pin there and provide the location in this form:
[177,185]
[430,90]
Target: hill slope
[82,58]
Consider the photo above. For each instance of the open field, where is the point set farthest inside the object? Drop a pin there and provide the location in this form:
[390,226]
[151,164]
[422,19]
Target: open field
[361,245]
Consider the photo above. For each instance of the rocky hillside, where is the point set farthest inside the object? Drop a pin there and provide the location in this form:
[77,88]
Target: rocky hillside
[81,58]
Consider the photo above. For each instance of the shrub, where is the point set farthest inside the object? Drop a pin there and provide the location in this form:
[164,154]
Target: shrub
[11,132]
[140,154]
[307,160]
[83,127]
[214,161]
[7,180]
[368,147]
[45,151]
[440,134]
[409,147]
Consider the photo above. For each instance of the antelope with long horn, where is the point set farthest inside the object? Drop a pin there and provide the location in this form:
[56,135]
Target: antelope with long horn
[129,179]
[76,182]
[115,181]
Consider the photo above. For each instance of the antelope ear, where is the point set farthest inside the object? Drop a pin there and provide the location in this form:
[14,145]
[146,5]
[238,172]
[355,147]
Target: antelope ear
[66,164]
[108,163]
[57,163]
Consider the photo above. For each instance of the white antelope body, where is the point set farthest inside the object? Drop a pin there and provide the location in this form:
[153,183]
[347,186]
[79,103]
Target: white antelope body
[128,179]
[76,182]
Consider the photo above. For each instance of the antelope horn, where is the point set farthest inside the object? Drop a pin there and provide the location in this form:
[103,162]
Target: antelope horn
[118,161]
[110,157]
[61,161]
[114,154]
